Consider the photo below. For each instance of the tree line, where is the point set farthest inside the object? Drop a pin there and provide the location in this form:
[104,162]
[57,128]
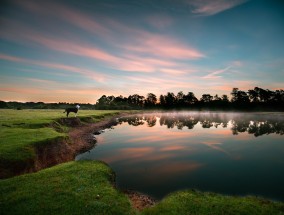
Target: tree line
[253,99]
[42,105]
[256,99]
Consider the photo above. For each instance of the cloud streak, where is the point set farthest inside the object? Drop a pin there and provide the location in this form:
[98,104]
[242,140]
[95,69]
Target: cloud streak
[212,7]
[216,74]
[143,51]
[88,73]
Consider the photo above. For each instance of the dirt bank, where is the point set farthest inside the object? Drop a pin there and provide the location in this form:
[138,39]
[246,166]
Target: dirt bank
[80,138]
[140,201]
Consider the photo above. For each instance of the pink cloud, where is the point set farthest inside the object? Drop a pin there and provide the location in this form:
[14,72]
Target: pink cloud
[143,52]
[223,88]
[12,58]
[128,61]
[20,90]
[74,48]
[162,84]
[146,42]
[162,46]
[68,14]
[209,7]
[91,74]
[178,70]
[33,89]
[83,21]
[41,81]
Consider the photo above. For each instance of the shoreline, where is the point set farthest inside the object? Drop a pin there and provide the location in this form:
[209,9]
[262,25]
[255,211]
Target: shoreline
[61,149]
[78,139]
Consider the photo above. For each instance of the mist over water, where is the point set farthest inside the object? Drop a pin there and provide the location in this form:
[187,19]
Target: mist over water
[230,153]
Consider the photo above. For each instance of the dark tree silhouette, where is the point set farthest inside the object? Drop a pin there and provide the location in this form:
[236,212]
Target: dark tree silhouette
[239,97]
[206,98]
[170,100]
[190,99]
[162,101]
[256,99]
[225,99]
[151,100]
[253,95]
[180,99]
[136,100]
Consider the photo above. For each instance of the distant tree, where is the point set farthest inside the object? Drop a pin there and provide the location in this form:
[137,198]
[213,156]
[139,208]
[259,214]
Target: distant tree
[180,99]
[136,100]
[190,99]
[119,99]
[225,98]
[151,100]
[253,95]
[162,101]
[217,98]
[264,95]
[3,104]
[170,100]
[234,94]
[278,96]
[206,98]
[239,97]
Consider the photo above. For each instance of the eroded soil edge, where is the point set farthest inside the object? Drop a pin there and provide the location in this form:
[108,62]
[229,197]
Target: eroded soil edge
[62,149]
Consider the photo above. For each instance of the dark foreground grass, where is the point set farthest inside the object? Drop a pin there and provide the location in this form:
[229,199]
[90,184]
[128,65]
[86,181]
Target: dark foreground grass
[198,203]
[83,187]
[86,187]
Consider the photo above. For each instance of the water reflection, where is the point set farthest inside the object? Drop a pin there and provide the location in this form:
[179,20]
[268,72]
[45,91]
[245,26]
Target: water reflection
[163,152]
[240,123]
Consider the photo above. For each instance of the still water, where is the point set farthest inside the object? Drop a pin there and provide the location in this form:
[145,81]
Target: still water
[229,153]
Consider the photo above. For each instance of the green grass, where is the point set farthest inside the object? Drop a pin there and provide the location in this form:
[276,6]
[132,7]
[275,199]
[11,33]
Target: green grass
[83,187]
[195,202]
[22,130]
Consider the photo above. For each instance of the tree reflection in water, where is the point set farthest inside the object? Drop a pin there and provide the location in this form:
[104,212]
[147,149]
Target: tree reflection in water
[256,124]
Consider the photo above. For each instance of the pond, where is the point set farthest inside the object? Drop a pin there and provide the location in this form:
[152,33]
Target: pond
[228,153]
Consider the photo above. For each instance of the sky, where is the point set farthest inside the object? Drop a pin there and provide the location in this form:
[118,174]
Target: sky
[77,51]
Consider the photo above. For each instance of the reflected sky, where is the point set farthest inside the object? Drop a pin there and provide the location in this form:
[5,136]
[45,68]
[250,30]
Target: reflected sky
[237,154]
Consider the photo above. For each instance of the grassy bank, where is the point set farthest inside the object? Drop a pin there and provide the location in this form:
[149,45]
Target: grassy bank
[83,187]
[86,187]
[194,202]
[23,130]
